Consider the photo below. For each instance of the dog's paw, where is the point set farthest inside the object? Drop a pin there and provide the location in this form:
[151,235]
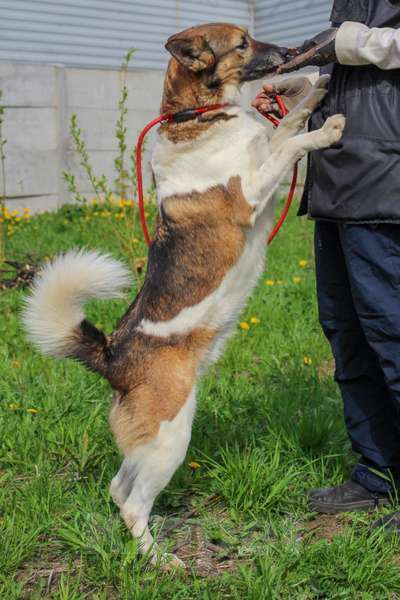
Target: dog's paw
[322,83]
[317,93]
[333,128]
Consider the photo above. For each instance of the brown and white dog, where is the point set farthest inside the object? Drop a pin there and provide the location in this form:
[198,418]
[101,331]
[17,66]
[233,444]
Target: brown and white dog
[216,176]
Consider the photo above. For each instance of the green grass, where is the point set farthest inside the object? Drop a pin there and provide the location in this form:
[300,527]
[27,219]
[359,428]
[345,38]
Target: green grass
[268,427]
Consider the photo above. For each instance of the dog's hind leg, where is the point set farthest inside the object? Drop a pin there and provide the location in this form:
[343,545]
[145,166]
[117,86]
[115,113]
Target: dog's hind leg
[121,484]
[154,465]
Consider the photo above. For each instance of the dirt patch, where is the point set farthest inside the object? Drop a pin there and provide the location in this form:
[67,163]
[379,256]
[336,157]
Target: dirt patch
[208,559]
[323,527]
[211,548]
[44,580]
[396,560]
[49,573]
[16,274]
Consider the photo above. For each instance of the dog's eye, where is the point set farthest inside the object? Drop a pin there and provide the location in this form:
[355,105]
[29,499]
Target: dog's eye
[243,45]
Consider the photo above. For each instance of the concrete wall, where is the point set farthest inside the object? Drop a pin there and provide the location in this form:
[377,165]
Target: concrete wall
[39,101]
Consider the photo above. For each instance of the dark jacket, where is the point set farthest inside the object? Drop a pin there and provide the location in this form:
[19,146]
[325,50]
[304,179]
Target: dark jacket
[358,179]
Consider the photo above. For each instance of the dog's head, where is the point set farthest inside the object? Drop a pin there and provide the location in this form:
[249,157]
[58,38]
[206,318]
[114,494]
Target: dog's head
[223,54]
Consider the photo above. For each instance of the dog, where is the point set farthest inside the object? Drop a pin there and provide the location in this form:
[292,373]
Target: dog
[216,175]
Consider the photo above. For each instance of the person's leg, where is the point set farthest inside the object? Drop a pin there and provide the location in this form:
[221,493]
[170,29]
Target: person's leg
[365,396]
[372,256]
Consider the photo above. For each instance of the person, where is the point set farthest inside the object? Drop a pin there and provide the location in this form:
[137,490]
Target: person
[352,191]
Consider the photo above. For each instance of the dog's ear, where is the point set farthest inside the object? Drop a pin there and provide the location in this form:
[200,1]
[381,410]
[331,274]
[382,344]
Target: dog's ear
[192,52]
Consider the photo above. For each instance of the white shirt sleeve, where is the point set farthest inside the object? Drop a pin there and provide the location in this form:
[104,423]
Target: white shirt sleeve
[356,44]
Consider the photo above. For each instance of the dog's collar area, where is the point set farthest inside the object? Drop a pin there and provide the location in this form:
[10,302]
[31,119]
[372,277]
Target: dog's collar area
[187,115]
[191,113]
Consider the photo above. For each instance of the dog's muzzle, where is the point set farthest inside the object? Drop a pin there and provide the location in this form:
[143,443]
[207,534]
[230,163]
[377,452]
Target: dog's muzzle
[266,61]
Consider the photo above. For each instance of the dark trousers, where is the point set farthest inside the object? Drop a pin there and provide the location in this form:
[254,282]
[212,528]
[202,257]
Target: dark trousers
[358,287]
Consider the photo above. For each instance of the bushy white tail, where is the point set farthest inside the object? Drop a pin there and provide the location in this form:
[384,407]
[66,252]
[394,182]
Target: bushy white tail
[54,310]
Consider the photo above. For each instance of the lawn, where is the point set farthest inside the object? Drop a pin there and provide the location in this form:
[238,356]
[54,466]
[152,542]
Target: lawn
[268,427]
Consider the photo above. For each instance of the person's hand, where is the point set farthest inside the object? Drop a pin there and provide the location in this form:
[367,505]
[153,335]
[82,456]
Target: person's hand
[292,90]
[318,51]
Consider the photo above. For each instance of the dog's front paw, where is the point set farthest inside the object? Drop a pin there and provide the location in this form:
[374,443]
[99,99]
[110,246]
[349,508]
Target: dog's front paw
[317,93]
[322,83]
[333,128]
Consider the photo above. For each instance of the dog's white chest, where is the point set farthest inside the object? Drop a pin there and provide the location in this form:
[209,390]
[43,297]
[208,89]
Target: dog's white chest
[237,147]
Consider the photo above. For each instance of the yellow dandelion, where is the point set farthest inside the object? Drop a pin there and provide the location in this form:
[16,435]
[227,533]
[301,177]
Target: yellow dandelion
[269,282]
[16,364]
[26,209]
[194,465]
[307,360]
[296,279]
[13,406]
[31,411]
[303,263]
[255,320]
[244,326]
[119,216]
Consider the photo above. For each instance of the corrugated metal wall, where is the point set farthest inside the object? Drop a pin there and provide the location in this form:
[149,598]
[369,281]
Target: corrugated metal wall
[290,22]
[97,33]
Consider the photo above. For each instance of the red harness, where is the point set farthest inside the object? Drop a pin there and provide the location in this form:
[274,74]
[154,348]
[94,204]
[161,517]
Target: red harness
[187,115]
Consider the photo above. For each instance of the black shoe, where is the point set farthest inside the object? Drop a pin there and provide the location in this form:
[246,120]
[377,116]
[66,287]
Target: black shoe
[391,523]
[350,496]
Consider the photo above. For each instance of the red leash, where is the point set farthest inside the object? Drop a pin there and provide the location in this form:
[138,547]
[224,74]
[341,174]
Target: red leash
[179,117]
[187,115]
[292,189]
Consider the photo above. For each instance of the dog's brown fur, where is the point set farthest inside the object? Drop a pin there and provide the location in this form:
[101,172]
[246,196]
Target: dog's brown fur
[161,382]
[206,234]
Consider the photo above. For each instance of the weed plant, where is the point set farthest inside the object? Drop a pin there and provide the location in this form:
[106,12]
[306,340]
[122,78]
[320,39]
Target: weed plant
[3,189]
[125,180]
